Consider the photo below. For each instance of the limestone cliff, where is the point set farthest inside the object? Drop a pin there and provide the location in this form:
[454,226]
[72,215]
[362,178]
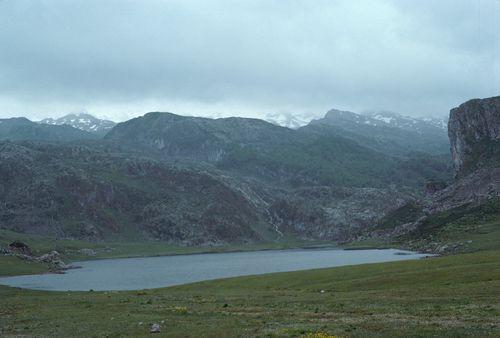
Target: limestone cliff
[474,196]
[474,132]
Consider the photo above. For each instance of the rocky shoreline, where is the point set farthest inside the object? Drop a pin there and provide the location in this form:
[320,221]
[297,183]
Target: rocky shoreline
[52,259]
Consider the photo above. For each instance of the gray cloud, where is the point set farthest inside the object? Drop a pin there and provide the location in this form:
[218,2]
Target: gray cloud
[122,58]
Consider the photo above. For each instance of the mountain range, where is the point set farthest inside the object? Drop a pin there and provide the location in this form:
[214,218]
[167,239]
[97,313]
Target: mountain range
[194,180]
[20,128]
[388,133]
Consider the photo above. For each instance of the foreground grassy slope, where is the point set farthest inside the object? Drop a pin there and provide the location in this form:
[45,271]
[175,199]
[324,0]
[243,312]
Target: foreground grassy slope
[446,296]
[455,296]
[12,266]
[463,229]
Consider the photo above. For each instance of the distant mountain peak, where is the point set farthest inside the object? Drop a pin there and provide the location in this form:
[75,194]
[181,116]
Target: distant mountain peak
[342,114]
[82,121]
[387,131]
[15,120]
[386,118]
[288,120]
[20,128]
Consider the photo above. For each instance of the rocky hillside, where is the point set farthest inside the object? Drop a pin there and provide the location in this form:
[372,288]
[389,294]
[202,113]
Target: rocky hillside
[82,121]
[21,128]
[79,192]
[473,196]
[204,181]
[474,131]
[82,191]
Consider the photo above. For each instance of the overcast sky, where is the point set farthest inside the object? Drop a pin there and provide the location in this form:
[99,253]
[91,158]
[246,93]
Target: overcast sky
[120,59]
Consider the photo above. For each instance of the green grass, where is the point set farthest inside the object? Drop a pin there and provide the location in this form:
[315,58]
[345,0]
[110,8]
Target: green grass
[451,296]
[12,266]
[454,296]
[470,229]
[407,213]
[475,237]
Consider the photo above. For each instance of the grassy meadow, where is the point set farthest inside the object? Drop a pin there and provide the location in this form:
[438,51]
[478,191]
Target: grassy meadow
[451,296]
[455,296]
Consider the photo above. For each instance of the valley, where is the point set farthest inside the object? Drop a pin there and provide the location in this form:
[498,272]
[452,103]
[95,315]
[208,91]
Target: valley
[164,184]
[298,169]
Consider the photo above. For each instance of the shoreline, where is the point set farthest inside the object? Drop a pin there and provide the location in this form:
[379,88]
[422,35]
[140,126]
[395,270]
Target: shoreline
[389,255]
[73,255]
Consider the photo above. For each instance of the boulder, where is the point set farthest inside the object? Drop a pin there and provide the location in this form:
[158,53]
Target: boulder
[53,258]
[18,247]
[155,328]
[49,257]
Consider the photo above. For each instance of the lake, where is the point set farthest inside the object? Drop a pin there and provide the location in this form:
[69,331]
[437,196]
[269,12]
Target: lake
[155,272]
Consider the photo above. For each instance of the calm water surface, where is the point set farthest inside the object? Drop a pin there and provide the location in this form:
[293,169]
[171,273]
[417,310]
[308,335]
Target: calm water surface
[154,272]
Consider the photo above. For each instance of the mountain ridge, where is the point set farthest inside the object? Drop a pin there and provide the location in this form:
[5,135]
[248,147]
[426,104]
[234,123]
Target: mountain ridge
[20,128]
[82,121]
[202,181]
[392,134]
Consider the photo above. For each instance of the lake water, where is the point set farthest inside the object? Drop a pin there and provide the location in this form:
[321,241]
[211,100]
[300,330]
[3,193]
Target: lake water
[155,272]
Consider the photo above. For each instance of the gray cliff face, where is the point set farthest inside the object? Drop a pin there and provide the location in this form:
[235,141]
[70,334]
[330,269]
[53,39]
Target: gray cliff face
[473,129]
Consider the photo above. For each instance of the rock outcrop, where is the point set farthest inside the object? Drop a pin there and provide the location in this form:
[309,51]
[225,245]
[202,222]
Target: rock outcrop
[21,248]
[53,259]
[155,328]
[23,251]
[473,189]
[327,213]
[474,132]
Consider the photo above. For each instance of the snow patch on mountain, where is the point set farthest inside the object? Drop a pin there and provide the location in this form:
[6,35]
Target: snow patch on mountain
[82,121]
[407,122]
[289,120]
